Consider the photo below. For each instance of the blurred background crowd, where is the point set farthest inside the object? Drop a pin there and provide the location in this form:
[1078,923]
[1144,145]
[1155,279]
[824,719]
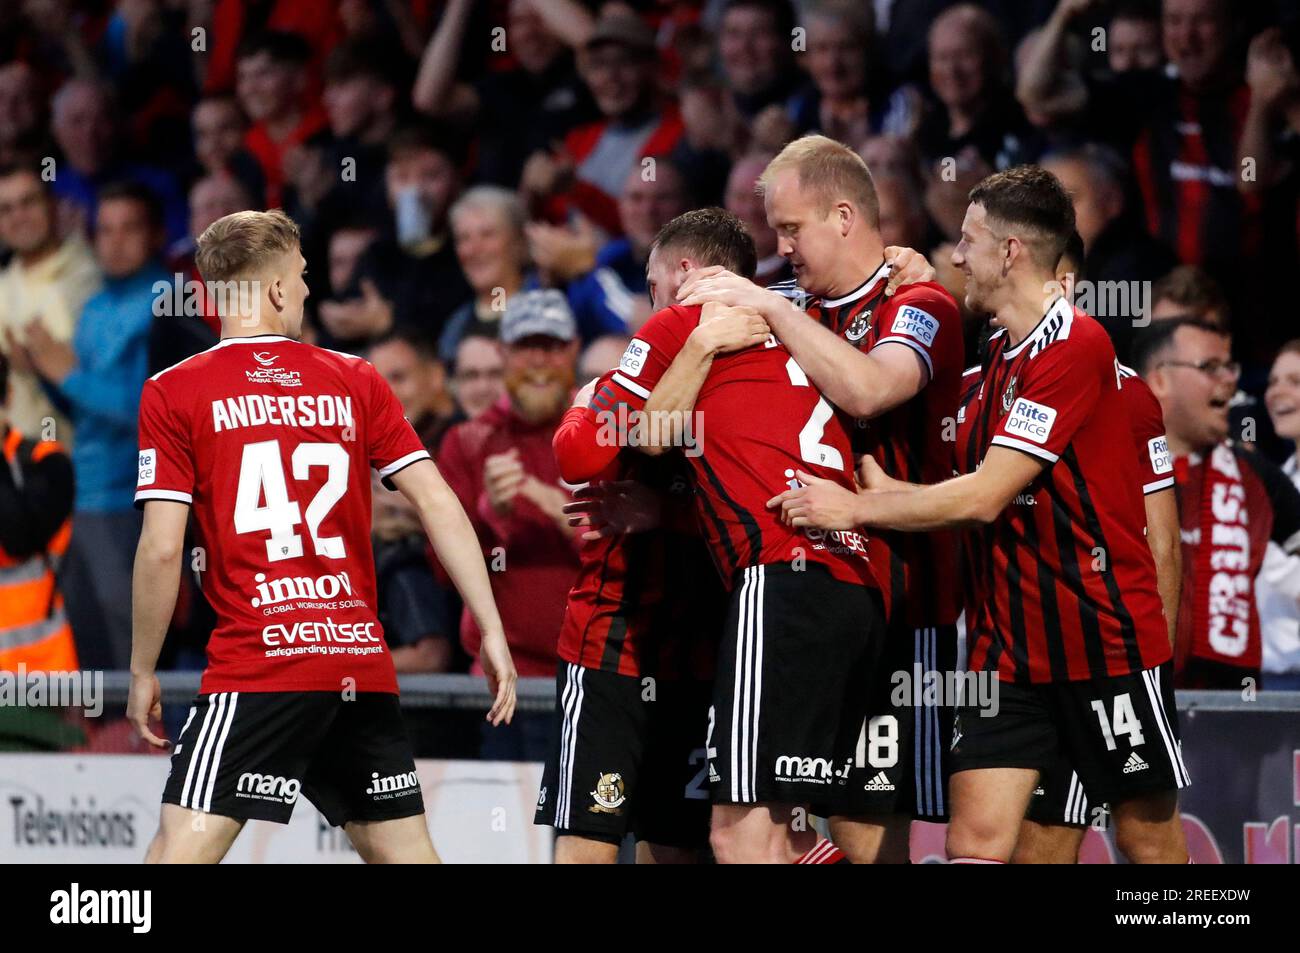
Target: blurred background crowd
[467,172]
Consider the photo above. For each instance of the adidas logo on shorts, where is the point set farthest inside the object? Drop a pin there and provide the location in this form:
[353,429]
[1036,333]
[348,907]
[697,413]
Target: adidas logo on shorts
[1135,763]
[879,783]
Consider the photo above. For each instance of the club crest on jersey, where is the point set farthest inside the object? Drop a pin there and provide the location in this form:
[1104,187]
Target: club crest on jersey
[1009,396]
[609,795]
[858,329]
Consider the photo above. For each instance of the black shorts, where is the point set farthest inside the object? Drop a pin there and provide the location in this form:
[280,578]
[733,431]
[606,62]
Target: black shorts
[1119,733]
[249,755]
[787,704]
[1060,799]
[629,759]
[900,760]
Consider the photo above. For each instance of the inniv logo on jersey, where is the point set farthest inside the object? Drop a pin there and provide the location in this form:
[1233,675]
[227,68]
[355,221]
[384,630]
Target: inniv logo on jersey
[1031,420]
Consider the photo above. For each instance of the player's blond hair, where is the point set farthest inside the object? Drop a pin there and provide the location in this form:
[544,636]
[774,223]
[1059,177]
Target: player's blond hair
[830,171]
[243,243]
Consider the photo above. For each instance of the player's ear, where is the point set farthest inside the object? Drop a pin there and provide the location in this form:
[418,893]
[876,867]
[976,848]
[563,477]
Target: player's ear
[847,213]
[275,292]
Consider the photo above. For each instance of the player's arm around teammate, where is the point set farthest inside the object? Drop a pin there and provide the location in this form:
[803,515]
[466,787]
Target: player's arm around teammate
[863,384]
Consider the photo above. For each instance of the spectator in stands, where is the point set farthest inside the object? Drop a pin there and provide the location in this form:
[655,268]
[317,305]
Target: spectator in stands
[514,112]
[478,382]
[713,132]
[1117,247]
[410,277]
[754,52]
[419,379]
[341,176]
[1187,291]
[1181,128]
[487,227]
[611,298]
[342,324]
[743,201]
[36,492]
[211,197]
[272,86]
[618,63]
[972,106]
[97,380]
[601,355]
[1232,503]
[219,127]
[87,129]
[1278,586]
[902,214]
[503,470]
[1133,37]
[842,103]
[22,115]
[419,613]
[187,331]
[46,282]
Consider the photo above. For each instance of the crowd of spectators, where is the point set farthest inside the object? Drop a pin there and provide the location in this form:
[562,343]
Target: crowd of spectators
[478,183]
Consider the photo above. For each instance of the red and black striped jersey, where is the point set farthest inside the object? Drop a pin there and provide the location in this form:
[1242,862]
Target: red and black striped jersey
[1147,421]
[911,442]
[647,603]
[1064,584]
[756,421]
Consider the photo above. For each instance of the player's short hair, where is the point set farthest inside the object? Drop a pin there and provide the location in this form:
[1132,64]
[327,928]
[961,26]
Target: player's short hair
[711,236]
[1290,347]
[282,46]
[1155,341]
[142,195]
[1195,292]
[243,243]
[1031,200]
[830,171]
[1074,252]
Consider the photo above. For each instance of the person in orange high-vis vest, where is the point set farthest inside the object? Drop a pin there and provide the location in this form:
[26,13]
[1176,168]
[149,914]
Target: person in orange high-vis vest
[36,494]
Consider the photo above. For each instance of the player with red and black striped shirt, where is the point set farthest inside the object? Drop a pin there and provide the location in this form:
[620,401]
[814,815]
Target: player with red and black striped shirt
[1065,608]
[804,625]
[893,362]
[637,650]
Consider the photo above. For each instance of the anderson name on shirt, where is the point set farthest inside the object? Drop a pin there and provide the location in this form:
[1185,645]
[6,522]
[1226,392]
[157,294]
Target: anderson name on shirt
[304,410]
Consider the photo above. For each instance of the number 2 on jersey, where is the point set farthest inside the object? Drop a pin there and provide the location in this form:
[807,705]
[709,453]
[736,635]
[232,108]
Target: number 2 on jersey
[811,448]
[261,476]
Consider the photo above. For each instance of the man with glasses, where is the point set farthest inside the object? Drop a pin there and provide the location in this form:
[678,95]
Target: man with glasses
[46,282]
[1232,500]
